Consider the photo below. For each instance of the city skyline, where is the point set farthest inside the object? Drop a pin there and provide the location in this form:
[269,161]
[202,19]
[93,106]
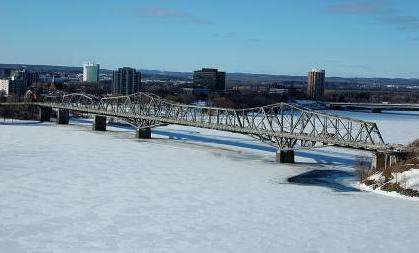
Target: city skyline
[370,38]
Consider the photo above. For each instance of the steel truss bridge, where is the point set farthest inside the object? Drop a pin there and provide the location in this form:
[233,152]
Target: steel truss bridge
[284,126]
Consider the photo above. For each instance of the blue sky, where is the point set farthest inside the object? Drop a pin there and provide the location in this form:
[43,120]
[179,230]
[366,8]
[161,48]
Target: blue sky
[366,38]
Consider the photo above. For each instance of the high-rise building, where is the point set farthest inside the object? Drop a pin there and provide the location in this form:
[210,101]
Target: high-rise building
[315,83]
[24,76]
[126,81]
[91,73]
[13,86]
[210,78]
[5,86]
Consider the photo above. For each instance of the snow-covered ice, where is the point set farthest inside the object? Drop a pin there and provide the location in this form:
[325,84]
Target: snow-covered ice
[68,189]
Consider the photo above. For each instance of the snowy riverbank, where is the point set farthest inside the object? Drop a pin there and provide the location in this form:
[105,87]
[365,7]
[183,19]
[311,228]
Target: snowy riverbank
[403,185]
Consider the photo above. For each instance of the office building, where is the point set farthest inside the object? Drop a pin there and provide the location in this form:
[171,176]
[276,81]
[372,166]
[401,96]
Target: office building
[12,87]
[18,82]
[126,81]
[91,73]
[212,79]
[4,86]
[315,84]
[25,77]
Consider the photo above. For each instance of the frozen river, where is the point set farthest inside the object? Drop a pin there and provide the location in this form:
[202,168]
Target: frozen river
[68,189]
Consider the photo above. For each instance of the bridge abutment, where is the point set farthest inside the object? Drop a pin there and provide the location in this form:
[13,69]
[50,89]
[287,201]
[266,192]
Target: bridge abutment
[143,133]
[99,123]
[382,160]
[63,117]
[45,113]
[285,156]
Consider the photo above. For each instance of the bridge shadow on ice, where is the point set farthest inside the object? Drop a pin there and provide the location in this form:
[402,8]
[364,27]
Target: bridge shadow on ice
[325,178]
[318,158]
[196,136]
[331,179]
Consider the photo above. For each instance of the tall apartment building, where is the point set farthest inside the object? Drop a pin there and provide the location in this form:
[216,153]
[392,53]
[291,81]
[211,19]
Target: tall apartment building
[18,82]
[24,76]
[10,86]
[315,83]
[91,72]
[210,78]
[5,86]
[126,81]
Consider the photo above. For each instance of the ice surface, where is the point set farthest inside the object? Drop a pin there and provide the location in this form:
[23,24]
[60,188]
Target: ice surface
[68,189]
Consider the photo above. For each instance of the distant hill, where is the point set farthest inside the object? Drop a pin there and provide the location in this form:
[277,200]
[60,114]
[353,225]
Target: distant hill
[69,69]
[43,68]
[260,78]
[231,77]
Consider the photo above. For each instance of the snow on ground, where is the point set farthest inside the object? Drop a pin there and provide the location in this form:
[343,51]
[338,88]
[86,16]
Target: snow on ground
[68,189]
[408,179]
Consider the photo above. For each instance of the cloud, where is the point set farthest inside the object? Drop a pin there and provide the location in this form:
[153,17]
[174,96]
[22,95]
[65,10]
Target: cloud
[383,12]
[401,22]
[233,35]
[254,40]
[225,35]
[414,39]
[169,14]
[354,8]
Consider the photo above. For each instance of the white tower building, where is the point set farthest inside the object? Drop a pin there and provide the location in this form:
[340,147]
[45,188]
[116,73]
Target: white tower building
[91,72]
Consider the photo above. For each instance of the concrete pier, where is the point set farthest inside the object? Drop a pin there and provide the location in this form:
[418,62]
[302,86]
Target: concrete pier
[285,156]
[143,133]
[63,117]
[99,123]
[381,160]
[45,114]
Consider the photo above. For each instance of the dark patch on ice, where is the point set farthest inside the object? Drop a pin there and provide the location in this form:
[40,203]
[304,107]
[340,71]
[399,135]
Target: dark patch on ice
[325,178]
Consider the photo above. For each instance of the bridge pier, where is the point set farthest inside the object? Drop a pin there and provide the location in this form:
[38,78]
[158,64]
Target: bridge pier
[376,110]
[285,156]
[63,117]
[379,161]
[99,123]
[382,160]
[143,133]
[45,113]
